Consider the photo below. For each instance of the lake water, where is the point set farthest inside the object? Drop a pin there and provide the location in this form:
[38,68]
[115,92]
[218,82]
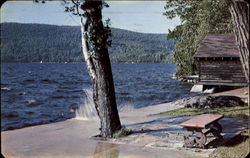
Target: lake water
[33,94]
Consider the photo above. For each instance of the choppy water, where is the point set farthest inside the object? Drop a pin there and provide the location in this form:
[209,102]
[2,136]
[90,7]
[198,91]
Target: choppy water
[34,94]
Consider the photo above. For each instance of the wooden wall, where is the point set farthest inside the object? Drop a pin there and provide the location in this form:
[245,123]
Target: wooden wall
[221,71]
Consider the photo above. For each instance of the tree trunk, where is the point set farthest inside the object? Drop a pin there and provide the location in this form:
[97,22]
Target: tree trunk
[240,16]
[99,67]
[104,97]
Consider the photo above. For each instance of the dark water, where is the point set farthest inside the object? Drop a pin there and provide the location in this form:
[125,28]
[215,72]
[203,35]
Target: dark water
[34,94]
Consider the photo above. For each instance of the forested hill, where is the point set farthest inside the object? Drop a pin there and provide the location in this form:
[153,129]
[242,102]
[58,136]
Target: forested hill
[51,43]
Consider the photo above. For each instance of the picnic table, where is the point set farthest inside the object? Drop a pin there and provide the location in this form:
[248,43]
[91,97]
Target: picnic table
[199,127]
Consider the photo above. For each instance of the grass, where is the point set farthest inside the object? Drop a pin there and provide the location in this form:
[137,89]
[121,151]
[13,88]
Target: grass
[238,147]
[123,132]
[238,111]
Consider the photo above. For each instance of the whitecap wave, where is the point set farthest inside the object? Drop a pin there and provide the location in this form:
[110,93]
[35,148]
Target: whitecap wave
[6,89]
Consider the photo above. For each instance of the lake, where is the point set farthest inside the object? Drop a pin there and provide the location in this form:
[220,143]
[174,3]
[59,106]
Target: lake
[34,93]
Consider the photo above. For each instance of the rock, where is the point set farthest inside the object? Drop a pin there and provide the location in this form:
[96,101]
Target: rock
[210,101]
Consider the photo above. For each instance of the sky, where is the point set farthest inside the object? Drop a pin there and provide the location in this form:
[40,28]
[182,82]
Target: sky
[139,16]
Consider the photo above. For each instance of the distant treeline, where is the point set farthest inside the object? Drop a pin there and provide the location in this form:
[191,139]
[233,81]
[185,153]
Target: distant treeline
[50,43]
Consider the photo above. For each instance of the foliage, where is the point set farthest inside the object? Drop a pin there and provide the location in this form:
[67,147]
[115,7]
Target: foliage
[238,111]
[50,43]
[199,17]
[123,132]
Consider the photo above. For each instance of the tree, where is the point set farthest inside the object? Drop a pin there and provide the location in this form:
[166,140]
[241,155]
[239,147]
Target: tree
[240,16]
[94,47]
[207,16]
[199,17]
[46,42]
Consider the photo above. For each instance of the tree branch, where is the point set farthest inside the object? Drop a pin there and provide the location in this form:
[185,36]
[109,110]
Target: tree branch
[76,4]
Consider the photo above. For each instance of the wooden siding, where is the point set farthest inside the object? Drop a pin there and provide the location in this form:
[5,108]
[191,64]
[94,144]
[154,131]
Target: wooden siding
[221,71]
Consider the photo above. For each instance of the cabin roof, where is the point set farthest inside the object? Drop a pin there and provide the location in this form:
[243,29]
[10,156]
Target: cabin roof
[217,45]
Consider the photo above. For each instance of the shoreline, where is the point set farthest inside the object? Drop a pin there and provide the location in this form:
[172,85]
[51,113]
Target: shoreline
[148,110]
[68,138]
[153,109]
[74,138]
[144,111]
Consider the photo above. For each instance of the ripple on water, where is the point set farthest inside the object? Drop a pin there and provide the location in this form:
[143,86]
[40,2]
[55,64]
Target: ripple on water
[33,102]
[29,112]
[11,114]
[29,80]
[43,93]
[22,93]
[58,96]
[49,81]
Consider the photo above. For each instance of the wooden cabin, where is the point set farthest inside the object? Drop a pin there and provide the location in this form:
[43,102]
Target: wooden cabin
[218,61]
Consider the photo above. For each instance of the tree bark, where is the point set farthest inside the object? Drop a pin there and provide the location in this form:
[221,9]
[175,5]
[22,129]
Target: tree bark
[85,51]
[99,67]
[240,16]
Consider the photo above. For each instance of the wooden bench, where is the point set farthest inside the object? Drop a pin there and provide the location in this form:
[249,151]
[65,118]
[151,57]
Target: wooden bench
[195,127]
